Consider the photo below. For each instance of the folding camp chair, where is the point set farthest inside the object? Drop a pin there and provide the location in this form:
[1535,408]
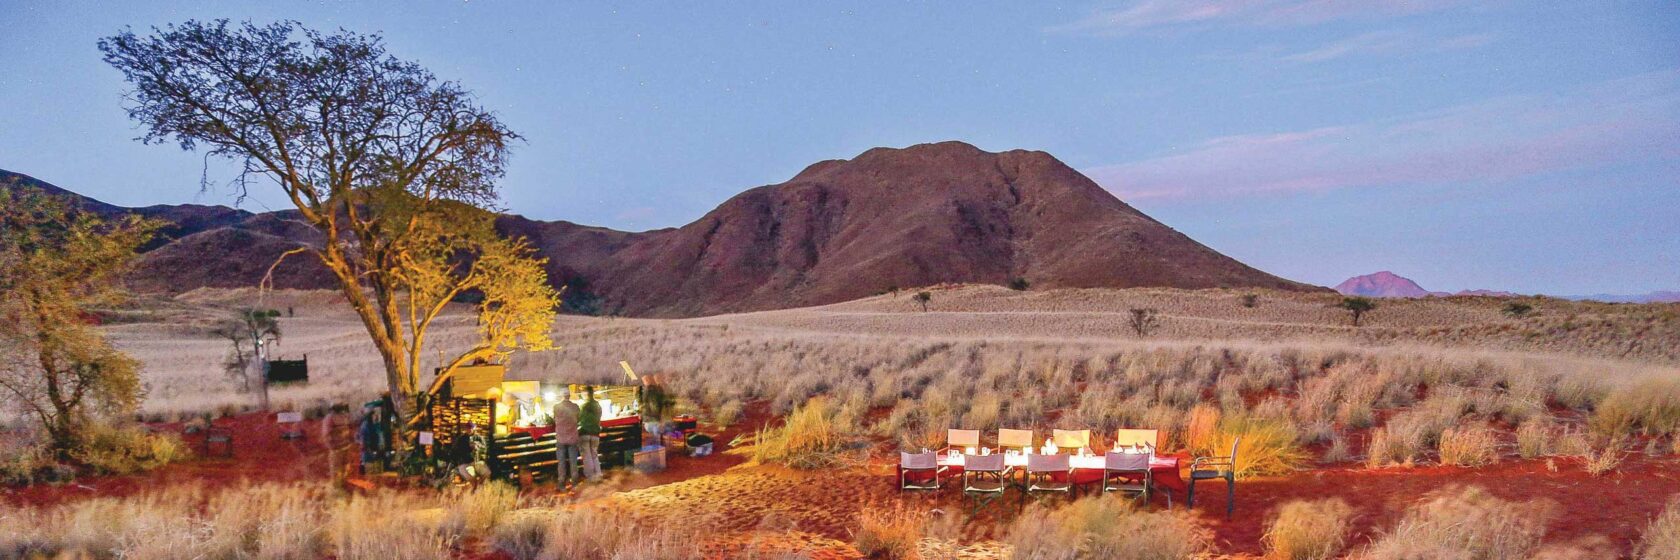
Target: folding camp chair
[960,441]
[984,478]
[918,471]
[1021,440]
[1048,474]
[1128,472]
[1208,468]
[1071,439]
[1128,438]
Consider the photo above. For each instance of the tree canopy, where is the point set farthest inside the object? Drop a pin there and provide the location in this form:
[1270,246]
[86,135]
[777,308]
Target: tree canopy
[394,167]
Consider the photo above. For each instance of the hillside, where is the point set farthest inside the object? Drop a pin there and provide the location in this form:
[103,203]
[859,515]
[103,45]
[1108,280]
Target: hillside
[839,230]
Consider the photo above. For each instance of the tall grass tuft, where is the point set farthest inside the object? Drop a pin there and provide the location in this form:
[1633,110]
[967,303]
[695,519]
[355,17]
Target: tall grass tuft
[1466,523]
[1304,530]
[815,436]
[1662,537]
[1468,446]
[1649,407]
[889,532]
[1268,446]
[1105,527]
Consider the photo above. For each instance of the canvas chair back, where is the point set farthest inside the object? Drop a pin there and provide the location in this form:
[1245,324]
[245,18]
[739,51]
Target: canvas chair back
[1047,463]
[1127,438]
[1019,439]
[962,438]
[918,461]
[1071,439]
[983,463]
[1127,462]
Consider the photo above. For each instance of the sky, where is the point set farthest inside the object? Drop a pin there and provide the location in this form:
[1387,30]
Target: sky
[1532,147]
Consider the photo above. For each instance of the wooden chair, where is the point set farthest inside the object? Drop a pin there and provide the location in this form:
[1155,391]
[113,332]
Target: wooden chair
[984,478]
[918,471]
[1128,472]
[1209,468]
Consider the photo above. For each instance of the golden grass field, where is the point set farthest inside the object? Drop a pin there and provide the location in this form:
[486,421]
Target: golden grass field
[1356,442]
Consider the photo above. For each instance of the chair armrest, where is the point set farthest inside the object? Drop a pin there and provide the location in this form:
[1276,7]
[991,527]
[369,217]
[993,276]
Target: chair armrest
[1211,461]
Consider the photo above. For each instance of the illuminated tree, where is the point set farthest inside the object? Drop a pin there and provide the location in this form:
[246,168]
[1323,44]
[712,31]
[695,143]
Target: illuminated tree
[395,168]
[54,264]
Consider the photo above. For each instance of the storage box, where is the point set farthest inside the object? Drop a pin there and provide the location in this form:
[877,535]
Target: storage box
[650,459]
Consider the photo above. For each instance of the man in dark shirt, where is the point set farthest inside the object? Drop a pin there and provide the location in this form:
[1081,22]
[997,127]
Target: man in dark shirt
[589,434]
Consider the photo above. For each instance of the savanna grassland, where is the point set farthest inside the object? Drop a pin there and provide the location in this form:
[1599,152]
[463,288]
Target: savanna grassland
[1450,425]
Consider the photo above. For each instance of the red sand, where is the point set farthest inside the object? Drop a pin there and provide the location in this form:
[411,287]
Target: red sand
[765,506]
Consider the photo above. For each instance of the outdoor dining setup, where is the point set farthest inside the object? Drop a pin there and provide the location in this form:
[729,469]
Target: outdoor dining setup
[1062,464]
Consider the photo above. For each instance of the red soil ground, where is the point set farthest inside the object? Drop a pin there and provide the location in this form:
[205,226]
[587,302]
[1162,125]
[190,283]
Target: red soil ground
[763,507]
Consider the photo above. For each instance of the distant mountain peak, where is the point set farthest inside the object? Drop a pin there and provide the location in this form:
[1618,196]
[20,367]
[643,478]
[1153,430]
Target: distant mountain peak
[1382,284]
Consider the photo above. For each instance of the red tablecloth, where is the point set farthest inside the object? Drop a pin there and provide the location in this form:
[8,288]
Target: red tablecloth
[535,431]
[1163,469]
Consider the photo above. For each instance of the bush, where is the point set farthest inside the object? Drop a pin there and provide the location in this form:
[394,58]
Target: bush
[1604,460]
[815,436]
[123,450]
[598,533]
[1650,407]
[1467,523]
[1019,284]
[726,414]
[1105,526]
[1468,446]
[1305,530]
[478,510]
[888,531]
[1662,536]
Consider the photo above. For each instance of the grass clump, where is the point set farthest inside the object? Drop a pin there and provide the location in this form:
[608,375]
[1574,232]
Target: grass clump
[815,436]
[1534,439]
[1662,537]
[889,532]
[1468,446]
[1105,527]
[1268,446]
[1308,530]
[127,449]
[1467,523]
[1650,407]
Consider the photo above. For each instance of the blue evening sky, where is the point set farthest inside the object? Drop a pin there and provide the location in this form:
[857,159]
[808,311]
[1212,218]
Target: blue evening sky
[1532,147]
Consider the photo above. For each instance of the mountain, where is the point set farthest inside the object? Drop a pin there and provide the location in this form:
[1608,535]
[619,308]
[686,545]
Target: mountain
[839,230]
[1382,284]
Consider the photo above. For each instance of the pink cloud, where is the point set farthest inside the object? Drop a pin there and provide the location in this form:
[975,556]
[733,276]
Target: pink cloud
[1147,14]
[1625,120]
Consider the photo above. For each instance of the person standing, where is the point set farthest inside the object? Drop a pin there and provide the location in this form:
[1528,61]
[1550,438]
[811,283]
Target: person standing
[566,415]
[589,434]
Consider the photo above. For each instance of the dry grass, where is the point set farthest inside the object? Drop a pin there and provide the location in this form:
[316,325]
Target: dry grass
[1649,407]
[1105,527]
[889,532]
[1314,530]
[1534,439]
[1465,523]
[1662,537]
[815,436]
[1604,460]
[1468,446]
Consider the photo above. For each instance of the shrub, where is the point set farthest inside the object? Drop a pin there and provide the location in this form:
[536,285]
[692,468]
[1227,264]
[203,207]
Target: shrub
[522,534]
[1303,530]
[1604,460]
[1390,448]
[477,510]
[1105,527]
[1468,446]
[1019,284]
[598,533]
[812,437]
[1338,451]
[1649,407]
[888,531]
[726,414]
[1467,523]
[384,526]
[128,449]
[1662,536]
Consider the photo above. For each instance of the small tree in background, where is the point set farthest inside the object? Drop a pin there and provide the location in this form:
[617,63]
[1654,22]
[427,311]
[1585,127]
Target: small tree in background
[923,298]
[1517,309]
[1249,300]
[55,263]
[1358,306]
[1019,284]
[1144,320]
[250,332]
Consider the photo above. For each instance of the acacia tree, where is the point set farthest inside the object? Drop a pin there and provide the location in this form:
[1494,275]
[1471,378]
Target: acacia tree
[54,264]
[394,167]
[1358,306]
